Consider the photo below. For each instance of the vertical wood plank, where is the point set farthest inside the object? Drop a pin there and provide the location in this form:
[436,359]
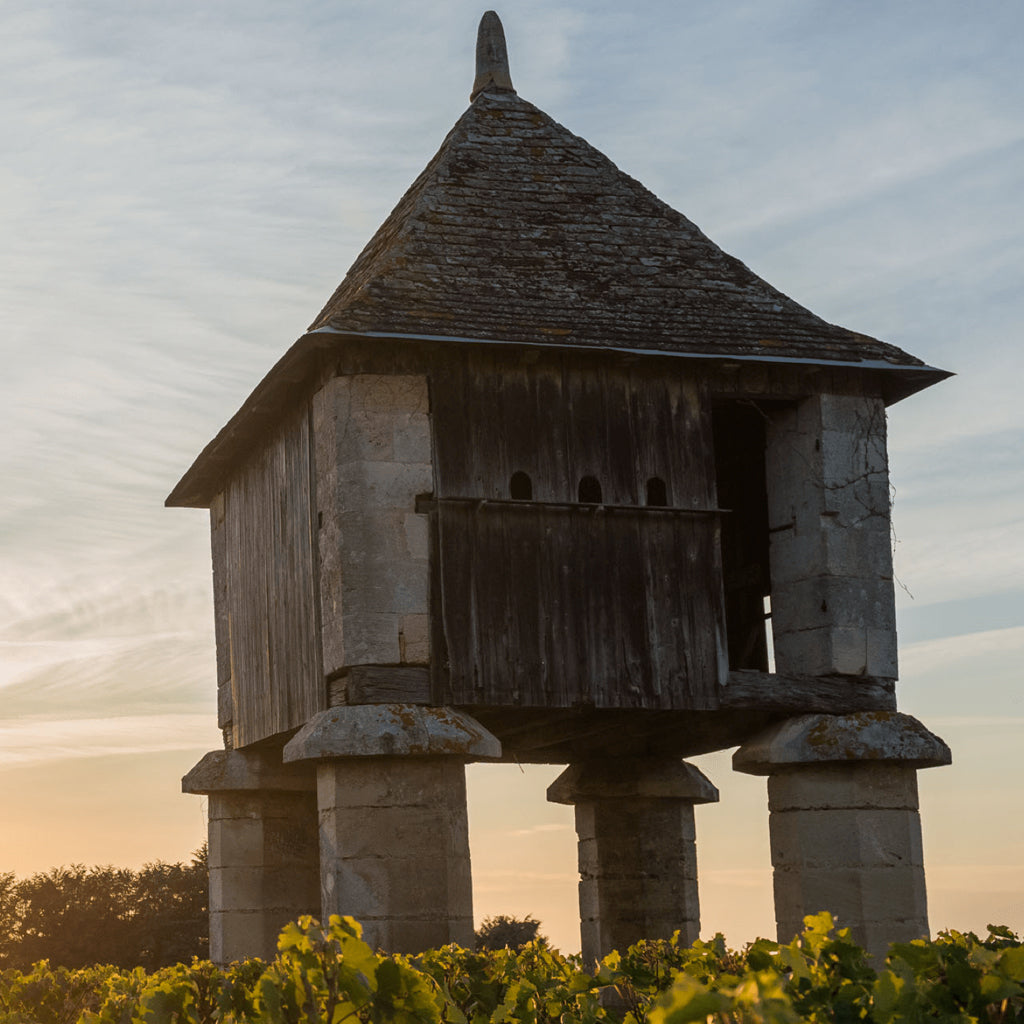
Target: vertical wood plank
[541,605]
[221,612]
[270,588]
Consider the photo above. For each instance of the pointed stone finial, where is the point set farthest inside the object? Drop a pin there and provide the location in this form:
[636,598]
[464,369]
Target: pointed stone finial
[492,74]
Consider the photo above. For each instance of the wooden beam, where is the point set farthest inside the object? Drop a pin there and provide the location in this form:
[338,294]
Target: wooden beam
[801,695]
[380,684]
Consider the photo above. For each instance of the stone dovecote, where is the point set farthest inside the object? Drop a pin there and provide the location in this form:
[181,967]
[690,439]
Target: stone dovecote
[530,487]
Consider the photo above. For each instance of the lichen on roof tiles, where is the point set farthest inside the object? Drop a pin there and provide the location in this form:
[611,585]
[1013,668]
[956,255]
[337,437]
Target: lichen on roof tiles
[519,231]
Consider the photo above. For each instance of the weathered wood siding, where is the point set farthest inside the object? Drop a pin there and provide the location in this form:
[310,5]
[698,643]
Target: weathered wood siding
[221,613]
[270,590]
[553,602]
[560,421]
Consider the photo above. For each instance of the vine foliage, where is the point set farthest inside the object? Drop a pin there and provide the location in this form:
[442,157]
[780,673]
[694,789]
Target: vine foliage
[329,975]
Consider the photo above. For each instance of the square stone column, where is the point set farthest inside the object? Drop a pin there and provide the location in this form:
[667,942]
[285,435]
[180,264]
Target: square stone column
[827,474]
[263,852]
[373,455]
[394,834]
[637,849]
[844,824]
[394,842]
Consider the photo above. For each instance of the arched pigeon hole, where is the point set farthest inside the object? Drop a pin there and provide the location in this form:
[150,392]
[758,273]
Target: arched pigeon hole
[590,490]
[657,493]
[520,487]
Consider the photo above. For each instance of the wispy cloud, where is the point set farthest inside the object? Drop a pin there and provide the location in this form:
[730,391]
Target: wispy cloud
[521,833]
[930,656]
[38,740]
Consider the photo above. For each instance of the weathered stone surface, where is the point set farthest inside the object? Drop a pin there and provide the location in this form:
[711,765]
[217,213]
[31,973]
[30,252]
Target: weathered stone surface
[394,849]
[383,782]
[373,453]
[817,602]
[387,730]
[417,535]
[492,72]
[835,548]
[879,906]
[246,770]
[370,638]
[844,825]
[862,837]
[643,853]
[873,784]
[236,934]
[833,610]
[636,848]
[264,868]
[866,736]
[258,803]
[610,779]
[638,873]
[414,639]
[269,889]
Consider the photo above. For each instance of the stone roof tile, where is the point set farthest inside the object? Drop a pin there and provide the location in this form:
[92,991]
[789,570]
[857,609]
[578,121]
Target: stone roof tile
[519,231]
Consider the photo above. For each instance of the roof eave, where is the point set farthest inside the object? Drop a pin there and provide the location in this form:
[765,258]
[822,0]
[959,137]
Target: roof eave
[300,364]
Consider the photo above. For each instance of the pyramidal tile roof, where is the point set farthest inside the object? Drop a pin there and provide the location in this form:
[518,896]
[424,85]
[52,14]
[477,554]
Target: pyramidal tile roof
[519,231]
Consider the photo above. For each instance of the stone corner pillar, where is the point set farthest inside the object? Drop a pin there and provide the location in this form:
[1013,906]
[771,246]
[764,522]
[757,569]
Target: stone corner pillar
[637,849]
[394,833]
[844,824]
[262,848]
[833,608]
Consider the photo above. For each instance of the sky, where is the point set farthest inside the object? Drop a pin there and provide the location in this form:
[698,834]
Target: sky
[183,185]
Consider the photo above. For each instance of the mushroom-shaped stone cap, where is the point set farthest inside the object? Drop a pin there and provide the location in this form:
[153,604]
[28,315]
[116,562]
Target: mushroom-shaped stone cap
[239,770]
[492,74]
[870,736]
[630,779]
[391,730]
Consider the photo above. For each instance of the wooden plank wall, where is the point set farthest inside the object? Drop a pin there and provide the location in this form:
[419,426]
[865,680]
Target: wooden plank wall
[562,607]
[270,589]
[554,603]
[561,419]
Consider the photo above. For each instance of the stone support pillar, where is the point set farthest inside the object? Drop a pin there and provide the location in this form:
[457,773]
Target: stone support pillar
[394,836]
[833,610]
[373,456]
[844,825]
[637,851]
[263,853]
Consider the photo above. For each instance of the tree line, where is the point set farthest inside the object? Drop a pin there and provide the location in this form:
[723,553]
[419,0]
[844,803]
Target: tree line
[75,916]
[154,917]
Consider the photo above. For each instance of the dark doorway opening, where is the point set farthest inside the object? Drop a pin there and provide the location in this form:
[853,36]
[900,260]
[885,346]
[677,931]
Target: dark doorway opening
[739,430]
